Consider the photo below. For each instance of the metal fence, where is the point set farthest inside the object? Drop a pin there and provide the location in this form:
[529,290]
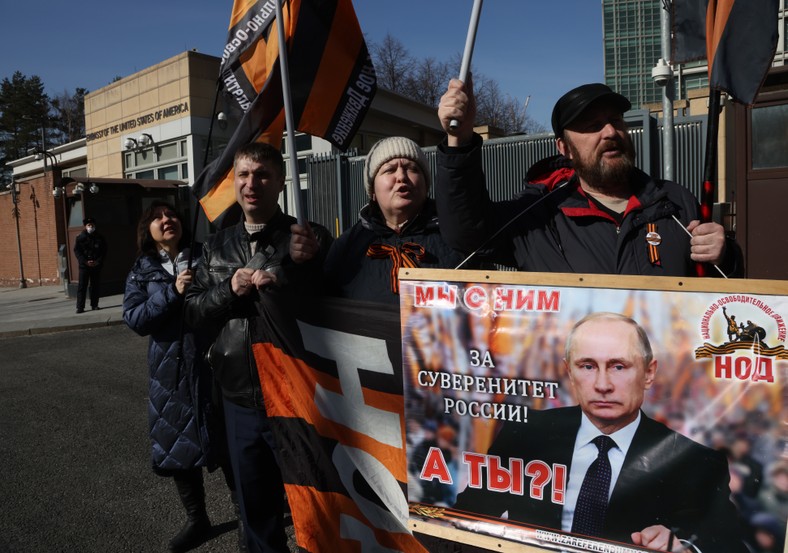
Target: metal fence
[336,189]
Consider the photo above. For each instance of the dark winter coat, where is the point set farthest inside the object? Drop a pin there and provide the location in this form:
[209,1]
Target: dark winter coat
[177,418]
[212,305]
[666,479]
[90,246]
[352,273]
[566,231]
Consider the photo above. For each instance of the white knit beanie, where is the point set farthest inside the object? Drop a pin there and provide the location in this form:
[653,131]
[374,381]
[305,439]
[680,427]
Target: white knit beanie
[392,148]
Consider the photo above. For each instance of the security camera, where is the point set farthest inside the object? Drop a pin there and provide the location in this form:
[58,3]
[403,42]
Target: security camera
[661,73]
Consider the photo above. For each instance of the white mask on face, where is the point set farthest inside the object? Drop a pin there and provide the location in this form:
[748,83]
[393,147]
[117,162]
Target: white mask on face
[90,228]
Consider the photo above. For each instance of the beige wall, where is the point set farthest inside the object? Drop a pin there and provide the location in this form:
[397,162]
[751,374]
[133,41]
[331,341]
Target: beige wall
[160,95]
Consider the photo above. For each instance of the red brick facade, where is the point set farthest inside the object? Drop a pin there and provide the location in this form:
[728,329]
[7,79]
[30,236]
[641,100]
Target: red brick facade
[40,233]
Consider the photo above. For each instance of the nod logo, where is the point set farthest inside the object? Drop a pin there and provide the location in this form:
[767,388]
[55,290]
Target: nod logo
[744,337]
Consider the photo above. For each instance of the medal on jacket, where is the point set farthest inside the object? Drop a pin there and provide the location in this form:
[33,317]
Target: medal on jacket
[653,239]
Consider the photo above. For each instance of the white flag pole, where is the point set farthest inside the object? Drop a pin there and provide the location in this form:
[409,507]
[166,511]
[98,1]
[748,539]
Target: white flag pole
[468,53]
[291,147]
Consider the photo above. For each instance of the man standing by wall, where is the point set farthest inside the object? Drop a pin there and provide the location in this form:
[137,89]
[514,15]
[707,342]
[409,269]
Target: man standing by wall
[90,249]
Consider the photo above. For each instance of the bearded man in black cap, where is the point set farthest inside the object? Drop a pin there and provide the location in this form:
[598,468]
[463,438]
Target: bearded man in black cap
[587,210]
[90,249]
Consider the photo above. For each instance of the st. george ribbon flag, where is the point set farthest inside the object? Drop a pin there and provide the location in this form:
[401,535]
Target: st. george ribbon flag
[331,374]
[737,37]
[740,39]
[332,81]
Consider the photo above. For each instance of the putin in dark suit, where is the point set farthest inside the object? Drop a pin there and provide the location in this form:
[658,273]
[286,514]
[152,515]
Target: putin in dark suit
[630,478]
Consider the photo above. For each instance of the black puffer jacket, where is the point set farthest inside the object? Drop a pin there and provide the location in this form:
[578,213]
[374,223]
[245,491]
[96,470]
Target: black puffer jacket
[564,231]
[212,305]
[177,415]
[352,273]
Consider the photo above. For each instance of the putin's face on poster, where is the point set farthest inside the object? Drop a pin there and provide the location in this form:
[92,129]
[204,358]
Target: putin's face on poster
[610,368]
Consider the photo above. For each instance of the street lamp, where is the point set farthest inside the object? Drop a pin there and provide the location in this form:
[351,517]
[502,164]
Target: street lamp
[144,140]
[46,156]
[50,160]
[15,213]
[58,192]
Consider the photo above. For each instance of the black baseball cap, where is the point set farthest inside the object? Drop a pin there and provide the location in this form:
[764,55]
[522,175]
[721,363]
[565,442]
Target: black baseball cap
[88,220]
[573,103]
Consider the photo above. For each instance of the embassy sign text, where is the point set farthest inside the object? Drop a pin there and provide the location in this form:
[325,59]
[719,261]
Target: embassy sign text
[140,121]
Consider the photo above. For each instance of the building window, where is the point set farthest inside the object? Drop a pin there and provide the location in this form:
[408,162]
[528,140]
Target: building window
[769,136]
[75,172]
[148,175]
[171,172]
[166,161]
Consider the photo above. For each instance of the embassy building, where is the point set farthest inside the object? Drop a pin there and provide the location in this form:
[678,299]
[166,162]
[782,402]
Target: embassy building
[148,136]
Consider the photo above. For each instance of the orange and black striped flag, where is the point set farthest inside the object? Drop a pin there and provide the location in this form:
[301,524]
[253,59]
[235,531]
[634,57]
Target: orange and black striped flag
[737,37]
[332,83]
[331,375]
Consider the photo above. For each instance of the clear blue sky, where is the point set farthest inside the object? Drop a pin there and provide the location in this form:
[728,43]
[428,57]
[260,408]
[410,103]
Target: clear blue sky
[540,48]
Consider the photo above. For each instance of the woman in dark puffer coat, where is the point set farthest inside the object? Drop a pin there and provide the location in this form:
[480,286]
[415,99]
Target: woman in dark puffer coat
[179,394]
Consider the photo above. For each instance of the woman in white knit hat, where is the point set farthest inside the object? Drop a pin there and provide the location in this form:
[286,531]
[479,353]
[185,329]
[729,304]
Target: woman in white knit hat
[397,228]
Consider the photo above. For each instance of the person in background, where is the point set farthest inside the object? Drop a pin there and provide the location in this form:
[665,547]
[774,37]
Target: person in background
[90,249]
[774,496]
[267,259]
[397,228]
[768,533]
[741,453]
[587,210]
[179,402]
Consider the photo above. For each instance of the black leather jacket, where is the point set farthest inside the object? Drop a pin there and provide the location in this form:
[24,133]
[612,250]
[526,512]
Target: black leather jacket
[211,304]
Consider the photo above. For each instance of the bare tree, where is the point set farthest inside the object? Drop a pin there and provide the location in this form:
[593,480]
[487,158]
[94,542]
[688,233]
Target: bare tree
[428,81]
[489,102]
[425,80]
[69,116]
[502,110]
[392,62]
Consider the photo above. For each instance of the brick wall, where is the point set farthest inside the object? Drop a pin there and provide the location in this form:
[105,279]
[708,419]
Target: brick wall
[40,217]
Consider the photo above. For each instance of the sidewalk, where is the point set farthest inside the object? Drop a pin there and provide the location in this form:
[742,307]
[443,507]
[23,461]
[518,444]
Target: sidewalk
[44,309]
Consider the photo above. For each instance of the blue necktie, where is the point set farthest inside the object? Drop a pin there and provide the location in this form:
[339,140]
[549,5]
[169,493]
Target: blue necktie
[591,507]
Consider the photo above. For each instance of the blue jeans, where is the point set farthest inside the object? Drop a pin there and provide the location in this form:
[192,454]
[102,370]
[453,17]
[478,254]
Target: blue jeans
[258,480]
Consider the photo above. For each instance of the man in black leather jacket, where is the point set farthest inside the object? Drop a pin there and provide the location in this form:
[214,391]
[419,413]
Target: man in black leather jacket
[267,257]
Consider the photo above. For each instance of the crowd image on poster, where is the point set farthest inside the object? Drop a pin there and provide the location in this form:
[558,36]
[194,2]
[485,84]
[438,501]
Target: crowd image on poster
[605,419]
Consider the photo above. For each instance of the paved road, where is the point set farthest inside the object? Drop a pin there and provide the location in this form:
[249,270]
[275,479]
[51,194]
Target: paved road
[75,453]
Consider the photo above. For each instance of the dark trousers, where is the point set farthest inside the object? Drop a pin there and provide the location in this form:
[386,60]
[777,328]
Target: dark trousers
[88,277]
[258,480]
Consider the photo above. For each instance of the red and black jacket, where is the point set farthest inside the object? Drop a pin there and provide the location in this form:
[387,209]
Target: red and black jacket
[552,226]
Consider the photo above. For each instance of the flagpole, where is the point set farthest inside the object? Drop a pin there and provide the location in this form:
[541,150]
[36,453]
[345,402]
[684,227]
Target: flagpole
[470,40]
[198,207]
[193,241]
[668,93]
[288,103]
[710,161]
[709,165]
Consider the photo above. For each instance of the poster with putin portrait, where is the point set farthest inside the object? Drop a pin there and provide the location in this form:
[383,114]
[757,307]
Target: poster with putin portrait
[584,413]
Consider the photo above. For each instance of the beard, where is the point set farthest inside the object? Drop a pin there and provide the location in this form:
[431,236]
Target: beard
[606,175]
